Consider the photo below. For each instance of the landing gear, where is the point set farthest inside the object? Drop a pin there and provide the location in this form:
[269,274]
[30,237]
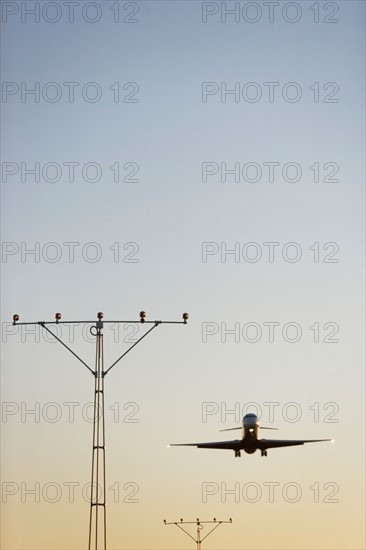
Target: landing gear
[237,454]
[263,453]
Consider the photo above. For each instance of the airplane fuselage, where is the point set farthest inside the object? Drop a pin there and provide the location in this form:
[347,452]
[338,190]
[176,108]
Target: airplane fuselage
[250,433]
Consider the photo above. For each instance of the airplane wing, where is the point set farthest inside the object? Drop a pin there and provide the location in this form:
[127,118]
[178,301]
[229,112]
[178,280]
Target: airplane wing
[234,445]
[264,444]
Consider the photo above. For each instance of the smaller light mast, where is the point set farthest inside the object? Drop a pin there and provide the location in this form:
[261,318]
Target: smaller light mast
[198,540]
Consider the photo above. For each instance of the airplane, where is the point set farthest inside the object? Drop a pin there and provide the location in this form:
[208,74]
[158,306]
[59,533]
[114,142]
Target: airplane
[249,441]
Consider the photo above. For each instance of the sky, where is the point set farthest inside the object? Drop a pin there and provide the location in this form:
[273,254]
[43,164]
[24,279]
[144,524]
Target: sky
[175,157]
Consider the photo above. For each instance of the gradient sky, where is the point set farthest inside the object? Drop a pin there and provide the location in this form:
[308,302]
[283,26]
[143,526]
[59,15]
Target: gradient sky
[169,212]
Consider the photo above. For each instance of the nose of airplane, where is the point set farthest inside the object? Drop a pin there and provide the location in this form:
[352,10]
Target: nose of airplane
[250,419]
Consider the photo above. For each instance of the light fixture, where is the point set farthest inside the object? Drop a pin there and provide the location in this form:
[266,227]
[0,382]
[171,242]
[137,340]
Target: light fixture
[58,317]
[142,316]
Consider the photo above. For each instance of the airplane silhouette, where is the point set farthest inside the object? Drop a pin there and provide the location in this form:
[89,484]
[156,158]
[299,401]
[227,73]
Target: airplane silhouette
[249,441]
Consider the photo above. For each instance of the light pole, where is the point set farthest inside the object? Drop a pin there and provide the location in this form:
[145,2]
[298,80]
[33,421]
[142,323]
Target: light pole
[199,524]
[98,521]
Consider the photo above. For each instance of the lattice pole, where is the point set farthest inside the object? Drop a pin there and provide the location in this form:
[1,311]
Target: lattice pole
[97,539]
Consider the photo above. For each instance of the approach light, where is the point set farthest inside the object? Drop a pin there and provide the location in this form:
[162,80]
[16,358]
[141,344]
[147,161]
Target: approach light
[100,315]
[185,317]
[181,519]
[15,318]
[142,316]
[165,521]
[58,317]
[214,519]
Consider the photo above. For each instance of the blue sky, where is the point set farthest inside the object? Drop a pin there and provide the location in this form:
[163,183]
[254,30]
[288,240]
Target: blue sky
[163,221]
